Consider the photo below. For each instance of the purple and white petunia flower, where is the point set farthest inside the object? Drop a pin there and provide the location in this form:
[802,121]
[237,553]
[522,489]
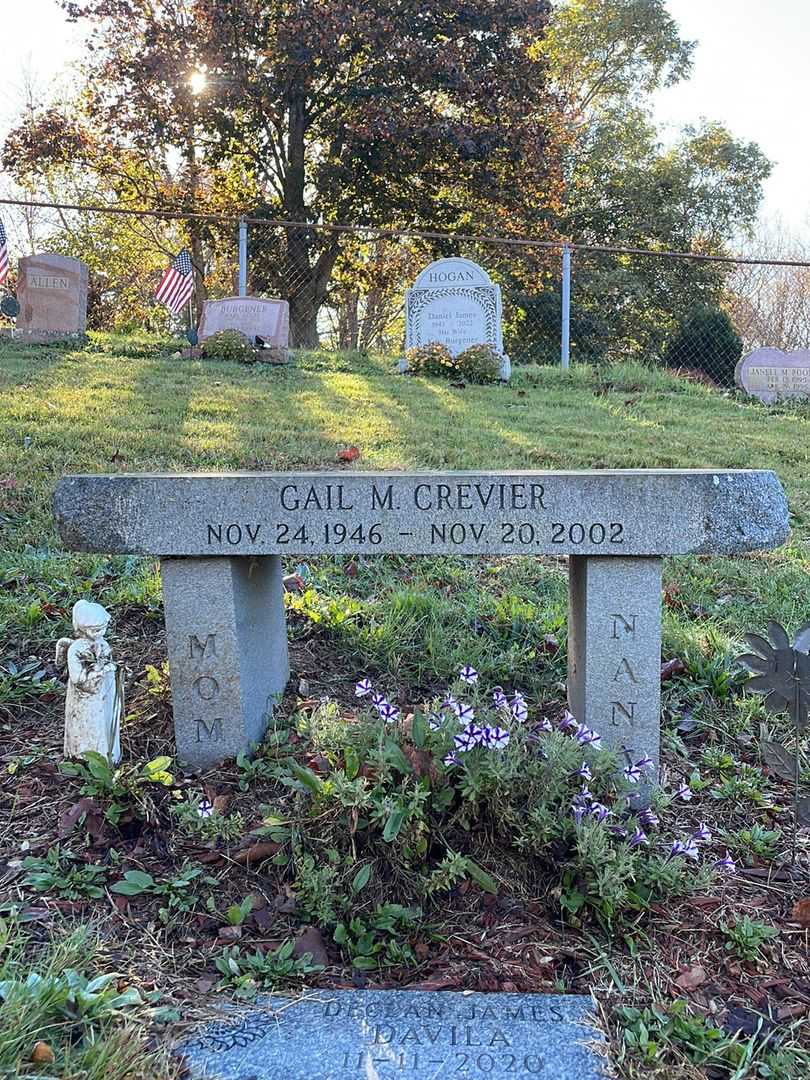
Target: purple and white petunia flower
[435,721]
[578,810]
[499,698]
[450,703]
[702,832]
[586,736]
[632,774]
[389,712]
[544,725]
[569,722]
[519,709]
[686,848]
[377,700]
[726,864]
[645,763]
[583,772]
[638,837]
[465,713]
[363,687]
[468,738]
[684,792]
[599,811]
[648,818]
[451,759]
[618,831]
[205,808]
[496,737]
[469,675]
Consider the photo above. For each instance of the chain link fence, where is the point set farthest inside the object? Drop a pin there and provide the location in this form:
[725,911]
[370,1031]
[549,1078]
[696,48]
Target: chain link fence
[346,286]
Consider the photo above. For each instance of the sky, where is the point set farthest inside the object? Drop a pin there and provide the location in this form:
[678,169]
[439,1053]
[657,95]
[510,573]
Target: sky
[751,72]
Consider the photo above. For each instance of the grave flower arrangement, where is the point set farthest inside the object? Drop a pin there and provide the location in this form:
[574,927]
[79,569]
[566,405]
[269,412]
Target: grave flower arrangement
[477,784]
[431,359]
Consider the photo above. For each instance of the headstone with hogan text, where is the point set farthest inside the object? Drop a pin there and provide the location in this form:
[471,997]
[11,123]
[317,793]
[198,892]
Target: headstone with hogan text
[253,316]
[454,302]
[770,374]
[52,294]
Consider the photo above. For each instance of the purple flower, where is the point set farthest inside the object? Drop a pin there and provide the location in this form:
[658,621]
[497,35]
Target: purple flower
[645,763]
[362,688]
[545,725]
[450,703]
[599,811]
[638,837]
[578,811]
[377,700]
[205,808]
[469,675]
[726,864]
[584,793]
[648,819]
[632,774]
[519,708]
[465,713]
[496,737]
[568,721]
[435,721]
[688,849]
[618,831]
[585,736]
[684,792]
[583,772]
[468,738]
[451,759]
[702,832]
[389,712]
[499,698]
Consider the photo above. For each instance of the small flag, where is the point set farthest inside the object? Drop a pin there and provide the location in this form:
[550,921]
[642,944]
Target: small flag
[177,284]
[3,254]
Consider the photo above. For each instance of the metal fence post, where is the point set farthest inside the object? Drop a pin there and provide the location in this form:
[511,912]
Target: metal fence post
[243,257]
[565,338]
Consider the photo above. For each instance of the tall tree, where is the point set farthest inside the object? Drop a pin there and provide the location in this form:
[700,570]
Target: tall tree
[342,110]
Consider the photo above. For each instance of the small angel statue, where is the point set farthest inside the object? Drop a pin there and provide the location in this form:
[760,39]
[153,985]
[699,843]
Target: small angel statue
[95,698]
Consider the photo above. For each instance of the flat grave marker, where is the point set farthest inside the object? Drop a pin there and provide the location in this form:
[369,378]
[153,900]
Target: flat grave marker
[253,316]
[221,537]
[401,1035]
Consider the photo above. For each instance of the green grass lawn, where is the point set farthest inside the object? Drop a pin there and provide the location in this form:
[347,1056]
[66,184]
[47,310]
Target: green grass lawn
[124,404]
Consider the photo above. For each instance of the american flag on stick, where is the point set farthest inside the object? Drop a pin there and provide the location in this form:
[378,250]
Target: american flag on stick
[177,284]
[3,254]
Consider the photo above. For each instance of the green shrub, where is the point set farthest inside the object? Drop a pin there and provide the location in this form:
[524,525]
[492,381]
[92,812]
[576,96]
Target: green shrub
[229,345]
[706,341]
[431,359]
[479,364]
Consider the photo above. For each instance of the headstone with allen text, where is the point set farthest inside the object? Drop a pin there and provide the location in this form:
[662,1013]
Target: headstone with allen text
[401,1035]
[771,375]
[52,294]
[221,538]
[254,316]
[454,302]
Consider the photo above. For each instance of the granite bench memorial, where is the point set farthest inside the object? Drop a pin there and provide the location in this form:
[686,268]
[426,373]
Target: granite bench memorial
[220,538]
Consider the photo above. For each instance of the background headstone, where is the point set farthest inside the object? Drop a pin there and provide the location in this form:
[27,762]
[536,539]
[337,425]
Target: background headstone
[52,293]
[453,301]
[401,1035]
[253,316]
[770,374]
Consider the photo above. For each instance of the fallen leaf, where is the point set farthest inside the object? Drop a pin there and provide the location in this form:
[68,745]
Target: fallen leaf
[672,668]
[86,808]
[229,933]
[205,984]
[293,583]
[263,919]
[258,852]
[351,568]
[311,941]
[778,759]
[549,645]
[220,803]
[803,812]
[42,1054]
[800,912]
[351,453]
[691,977]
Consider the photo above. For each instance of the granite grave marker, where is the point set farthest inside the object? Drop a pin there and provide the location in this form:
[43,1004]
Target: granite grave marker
[221,537]
[52,294]
[770,374]
[453,301]
[253,316]
[401,1035]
